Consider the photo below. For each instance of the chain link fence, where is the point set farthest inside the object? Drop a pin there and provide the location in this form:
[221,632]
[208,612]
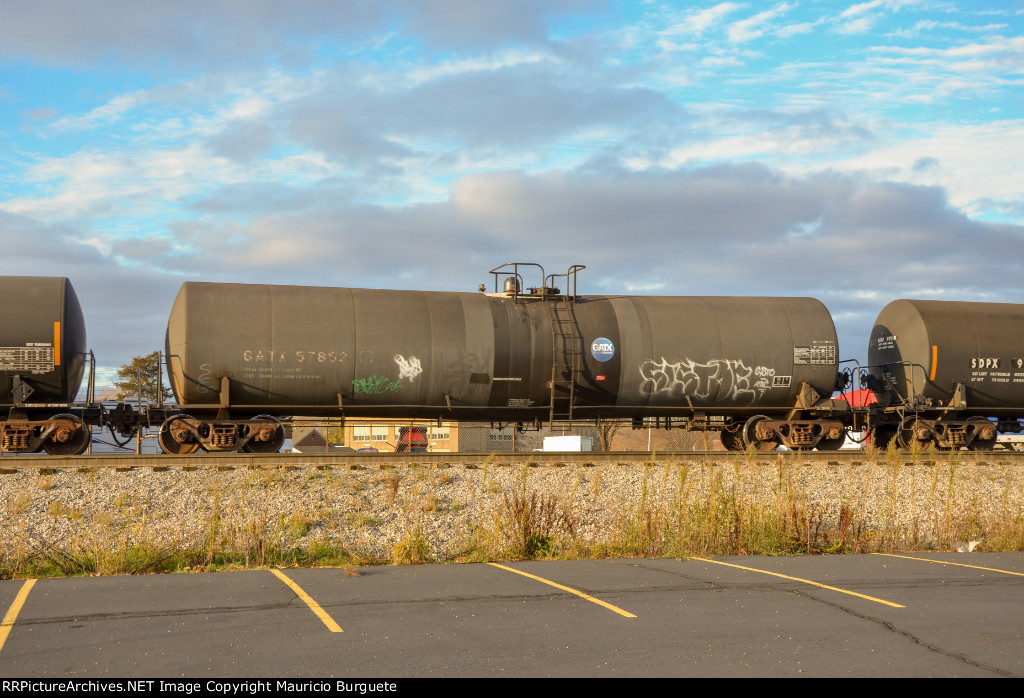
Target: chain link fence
[331,435]
[488,437]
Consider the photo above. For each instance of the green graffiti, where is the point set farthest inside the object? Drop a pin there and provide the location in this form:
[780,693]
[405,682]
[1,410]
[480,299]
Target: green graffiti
[375,385]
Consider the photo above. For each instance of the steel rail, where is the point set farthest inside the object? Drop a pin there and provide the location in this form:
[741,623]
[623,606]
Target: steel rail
[225,461]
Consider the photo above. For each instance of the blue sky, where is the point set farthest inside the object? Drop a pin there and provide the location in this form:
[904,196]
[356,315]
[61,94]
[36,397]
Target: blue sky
[853,152]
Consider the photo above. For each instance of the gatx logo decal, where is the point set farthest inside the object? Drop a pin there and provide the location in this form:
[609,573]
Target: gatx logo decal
[602,349]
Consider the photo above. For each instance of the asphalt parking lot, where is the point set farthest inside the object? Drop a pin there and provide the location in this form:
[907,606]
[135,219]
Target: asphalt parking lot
[850,615]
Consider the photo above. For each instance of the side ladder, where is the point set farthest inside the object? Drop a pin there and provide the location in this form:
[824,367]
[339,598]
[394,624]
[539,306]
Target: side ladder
[566,350]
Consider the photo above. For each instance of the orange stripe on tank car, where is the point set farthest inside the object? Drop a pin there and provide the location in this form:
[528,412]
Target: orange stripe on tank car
[935,361]
[56,344]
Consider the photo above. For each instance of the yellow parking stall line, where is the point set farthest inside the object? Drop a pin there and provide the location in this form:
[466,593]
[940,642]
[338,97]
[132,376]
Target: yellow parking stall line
[599,602]
[805,581]
[313,605]
[958,564]
[8,622]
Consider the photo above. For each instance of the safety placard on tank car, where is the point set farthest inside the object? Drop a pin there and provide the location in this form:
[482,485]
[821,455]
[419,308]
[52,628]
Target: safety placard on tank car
[820,354]
[33,358]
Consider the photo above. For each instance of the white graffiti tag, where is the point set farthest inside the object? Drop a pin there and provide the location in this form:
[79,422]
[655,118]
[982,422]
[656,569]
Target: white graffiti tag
[731,379]
[408,368]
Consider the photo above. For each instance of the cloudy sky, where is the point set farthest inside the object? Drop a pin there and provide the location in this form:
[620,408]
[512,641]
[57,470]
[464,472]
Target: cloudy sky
[855,152]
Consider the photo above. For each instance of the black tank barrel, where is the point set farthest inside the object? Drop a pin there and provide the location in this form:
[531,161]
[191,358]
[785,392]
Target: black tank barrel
[492,356]
[42,340]
[927,348]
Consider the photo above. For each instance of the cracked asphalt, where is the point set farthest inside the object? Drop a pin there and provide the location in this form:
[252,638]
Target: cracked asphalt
[918,615]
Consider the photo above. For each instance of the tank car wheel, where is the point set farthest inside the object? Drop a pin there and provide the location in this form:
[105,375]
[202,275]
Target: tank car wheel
[827,444]
[732,437]
[67,440]
[906,437]
[750,439]
[175,439]
[881,437]
[265,439]
[980,444]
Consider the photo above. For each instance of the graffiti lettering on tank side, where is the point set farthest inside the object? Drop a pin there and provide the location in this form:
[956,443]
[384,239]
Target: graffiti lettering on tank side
[206,370]
[470,363]
[763,373]
[375,385]
[408,368]
[699,380]
[455,372]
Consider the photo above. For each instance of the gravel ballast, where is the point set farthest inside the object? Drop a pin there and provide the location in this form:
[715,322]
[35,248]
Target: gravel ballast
[451,510]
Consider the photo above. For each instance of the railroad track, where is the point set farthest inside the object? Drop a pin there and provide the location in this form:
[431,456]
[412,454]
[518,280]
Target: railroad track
[226,461]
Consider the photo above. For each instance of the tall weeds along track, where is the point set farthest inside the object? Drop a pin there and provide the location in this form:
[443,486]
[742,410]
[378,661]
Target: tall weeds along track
[142,520]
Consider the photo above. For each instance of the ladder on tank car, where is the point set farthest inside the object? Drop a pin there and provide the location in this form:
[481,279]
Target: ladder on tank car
[566,348]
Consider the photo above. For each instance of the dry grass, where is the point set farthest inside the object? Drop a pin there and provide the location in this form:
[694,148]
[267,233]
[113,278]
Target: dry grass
[729,505]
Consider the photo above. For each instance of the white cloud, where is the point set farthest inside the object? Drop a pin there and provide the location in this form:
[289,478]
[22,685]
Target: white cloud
[698,22]
[930,26]
[223,33]
[1008,50]
[108,113]
[420,74]
[860,25]
[118,183]
[758,25]
[790,30]
[860,9]
[964,158]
